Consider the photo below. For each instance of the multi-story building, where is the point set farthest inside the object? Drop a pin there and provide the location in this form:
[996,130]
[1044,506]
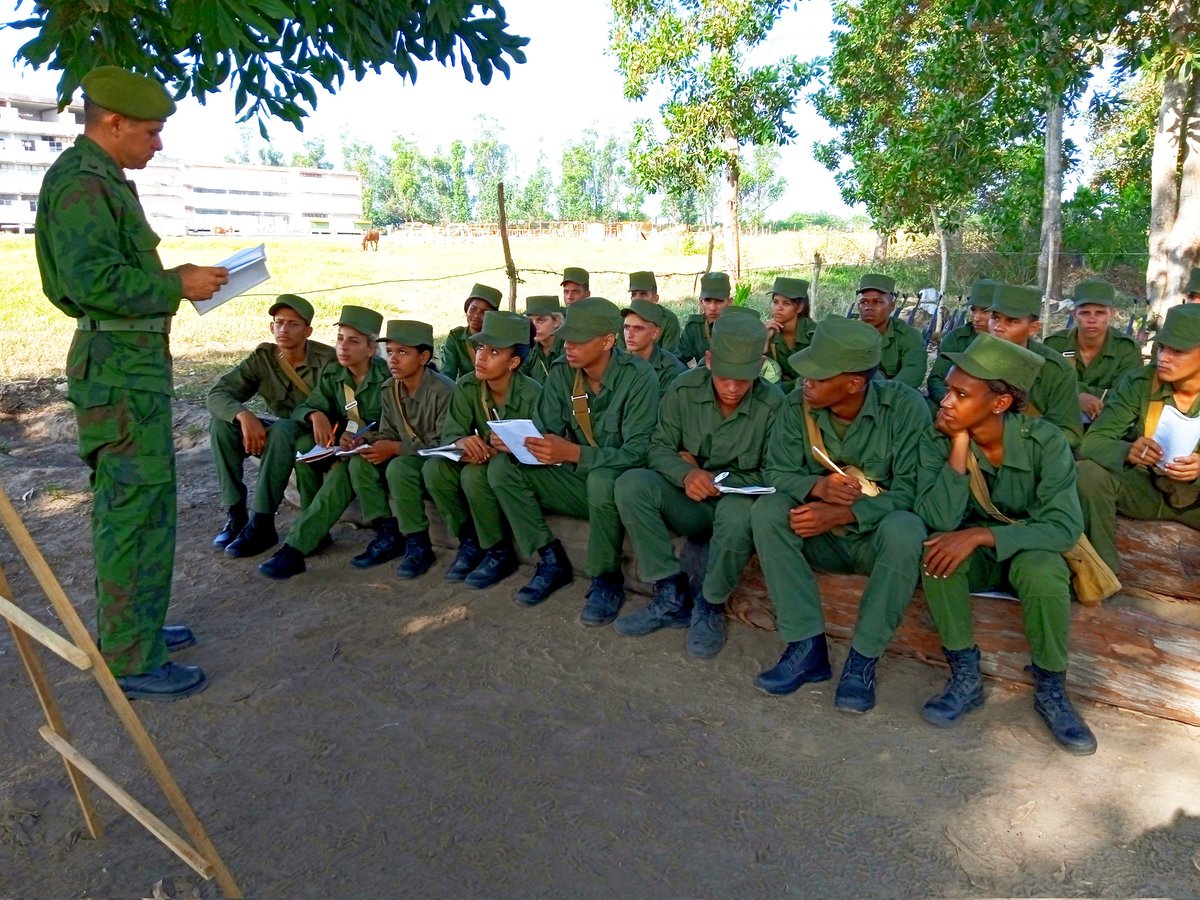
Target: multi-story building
[179,196]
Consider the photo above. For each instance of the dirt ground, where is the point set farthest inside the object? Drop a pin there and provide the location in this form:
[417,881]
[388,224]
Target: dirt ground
[515,753]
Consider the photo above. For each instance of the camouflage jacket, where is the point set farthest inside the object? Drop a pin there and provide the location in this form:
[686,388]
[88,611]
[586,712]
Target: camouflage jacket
[98,257]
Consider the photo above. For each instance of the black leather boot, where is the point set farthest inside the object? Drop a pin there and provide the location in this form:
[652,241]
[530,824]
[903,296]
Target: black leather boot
[963,691]
[257,537]
[497,564]
[553,571]
[170,681]
[178,637]
[668,608]
[284,563]
[603,599]
[469,556]
[1054,706]
[387,545]
[418,556]
[706,631]
[234,523]
[802,662]
[856,688]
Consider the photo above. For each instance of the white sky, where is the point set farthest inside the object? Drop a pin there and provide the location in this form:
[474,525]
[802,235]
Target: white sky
[568,83]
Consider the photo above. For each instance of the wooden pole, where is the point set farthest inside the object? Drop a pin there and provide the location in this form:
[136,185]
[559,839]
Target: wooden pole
[509,266]
[818,263]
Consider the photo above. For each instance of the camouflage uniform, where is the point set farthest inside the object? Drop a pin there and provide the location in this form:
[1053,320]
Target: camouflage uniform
[100,266]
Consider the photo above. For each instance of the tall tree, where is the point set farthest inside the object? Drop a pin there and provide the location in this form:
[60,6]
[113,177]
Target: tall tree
[460,191]
[374,173]
[274,53]
[594,178]
[762,186]
[717,101]
[534,199]
[312,156]
[489,167]
[413,197]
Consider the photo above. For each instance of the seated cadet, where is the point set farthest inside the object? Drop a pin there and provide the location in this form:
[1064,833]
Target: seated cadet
[902,357]
[546,315]
[982,293]
[345,400]
[1121,468]
[714,298]
[1029,474]
[1192,291]
[642,329]
[712,424]
[642,286]
[458,354]
[415,401]
[1100,353]
[460,490]
[1014,316]
[596,413]
[791,324]
[282,373]
[576,285]
[821,519]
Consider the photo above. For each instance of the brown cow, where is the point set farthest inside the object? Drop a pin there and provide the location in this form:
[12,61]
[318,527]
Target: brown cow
[371,237]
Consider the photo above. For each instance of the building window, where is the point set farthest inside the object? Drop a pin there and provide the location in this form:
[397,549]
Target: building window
[5,201]
[212,212]
[33,205]
[206,190]
[56,146]
[29,145]
[316,215]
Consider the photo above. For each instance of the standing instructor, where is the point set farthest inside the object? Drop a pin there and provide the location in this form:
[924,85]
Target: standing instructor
[100,266]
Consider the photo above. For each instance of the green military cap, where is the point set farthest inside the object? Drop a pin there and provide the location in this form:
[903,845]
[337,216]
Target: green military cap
[489,295]
[995,359]
[644,309]
[736,346]
[642,281]
[543,305]
[122,91]
[362,319]
[874,281]
[409,333]
[1094,290]
[792,288]
[715,285]
[1017,300]
[1181,329]
[576,275]
[1193,285]
[748,312]
[589,318]
[983,292]
[502,329]
[296,304]
[838,345]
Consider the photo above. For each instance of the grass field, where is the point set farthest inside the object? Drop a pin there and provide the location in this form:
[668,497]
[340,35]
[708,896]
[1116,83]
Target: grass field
[426,280]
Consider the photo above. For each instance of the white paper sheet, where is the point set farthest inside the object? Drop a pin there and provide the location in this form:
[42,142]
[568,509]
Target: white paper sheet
[247,268]
[513,432]
[316,453]
[753,490]
[1176,433]
[446,451]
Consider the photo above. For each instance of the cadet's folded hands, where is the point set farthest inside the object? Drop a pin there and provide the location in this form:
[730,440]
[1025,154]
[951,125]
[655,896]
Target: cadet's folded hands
[699,485]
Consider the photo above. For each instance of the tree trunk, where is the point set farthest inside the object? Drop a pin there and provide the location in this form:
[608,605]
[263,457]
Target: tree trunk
[729,208]
[944,280]
[1049,273]
[1175,177]
[510,267]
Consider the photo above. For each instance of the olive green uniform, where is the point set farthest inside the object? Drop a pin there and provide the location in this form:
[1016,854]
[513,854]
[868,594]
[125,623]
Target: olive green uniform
[902,357]
[652,501]
[1120,354]
[1034,483]
[667,366]
[458,354]
[400,477]
[885,540]
[668,339]
[261,374]
[99,264]
[693,340]
[1109,485]
[778,350]
[335,494]
[537,364]
[954,341]
[1055,394]
[461,490]
[623,415]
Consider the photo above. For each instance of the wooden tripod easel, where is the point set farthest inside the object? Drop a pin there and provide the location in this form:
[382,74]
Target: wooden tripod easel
[81,651]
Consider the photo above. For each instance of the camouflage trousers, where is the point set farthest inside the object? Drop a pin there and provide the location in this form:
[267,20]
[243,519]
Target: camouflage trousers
[125,438]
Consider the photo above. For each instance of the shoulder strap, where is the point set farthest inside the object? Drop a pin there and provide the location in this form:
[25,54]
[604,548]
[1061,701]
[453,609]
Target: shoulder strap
[290,373]
[979,490]
[351,408]
[814,437]
[1032,411]
[1153,410]
[489,411]
[580,409]
[412,433]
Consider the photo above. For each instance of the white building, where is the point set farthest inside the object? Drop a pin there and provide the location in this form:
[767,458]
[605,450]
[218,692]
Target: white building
[179,196]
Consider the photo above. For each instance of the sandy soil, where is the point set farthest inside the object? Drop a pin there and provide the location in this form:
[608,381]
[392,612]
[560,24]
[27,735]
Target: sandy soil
[513,753]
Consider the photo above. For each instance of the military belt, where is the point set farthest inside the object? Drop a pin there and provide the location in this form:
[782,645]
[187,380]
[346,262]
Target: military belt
[153,324]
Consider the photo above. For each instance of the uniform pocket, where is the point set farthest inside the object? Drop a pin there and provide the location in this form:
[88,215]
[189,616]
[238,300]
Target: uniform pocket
[125,436]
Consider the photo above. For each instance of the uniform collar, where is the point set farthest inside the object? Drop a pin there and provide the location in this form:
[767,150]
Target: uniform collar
[1016,446]
[96,159]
